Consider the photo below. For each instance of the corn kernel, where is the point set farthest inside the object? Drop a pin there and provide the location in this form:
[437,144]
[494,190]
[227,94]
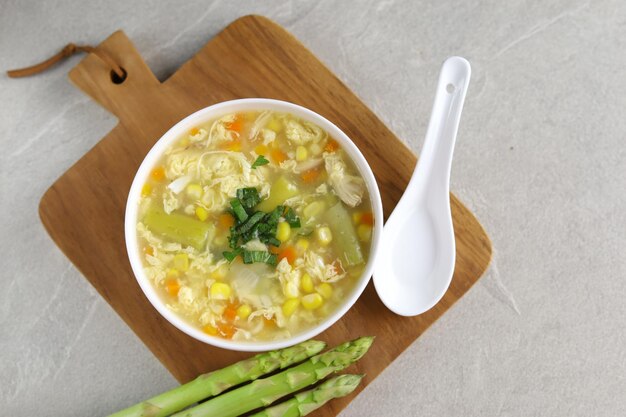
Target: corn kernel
[210,330]
[324,311]
[201,213]
[290,306]
[325,290]
[312,301]
[283,231]
[306,283]
[301,153]
[261,150]
[172,273]
[364,232]
[356,217]
[244,311]
[302,245]
[315,149]
[194,191]
[234,146]
[220,291]
[220,272]
[274,125]
[181,262]
[324,235]
[146,190]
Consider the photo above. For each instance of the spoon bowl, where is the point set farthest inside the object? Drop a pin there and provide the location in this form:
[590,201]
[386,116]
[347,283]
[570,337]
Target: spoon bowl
[415,264]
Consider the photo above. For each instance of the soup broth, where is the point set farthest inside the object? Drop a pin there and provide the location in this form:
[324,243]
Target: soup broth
[254,226]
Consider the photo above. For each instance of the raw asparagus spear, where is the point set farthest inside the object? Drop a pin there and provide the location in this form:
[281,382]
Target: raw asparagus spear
[263,392]
[308,401]
[215,382]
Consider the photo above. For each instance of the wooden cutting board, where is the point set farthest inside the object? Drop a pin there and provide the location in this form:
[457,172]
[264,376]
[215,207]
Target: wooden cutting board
[253,57]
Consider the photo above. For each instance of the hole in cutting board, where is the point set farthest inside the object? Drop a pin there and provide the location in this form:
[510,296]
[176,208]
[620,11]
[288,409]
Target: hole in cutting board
[450,88]
[116,79]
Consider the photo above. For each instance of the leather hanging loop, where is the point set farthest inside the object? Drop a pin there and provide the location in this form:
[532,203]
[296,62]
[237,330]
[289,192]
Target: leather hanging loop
[69,50]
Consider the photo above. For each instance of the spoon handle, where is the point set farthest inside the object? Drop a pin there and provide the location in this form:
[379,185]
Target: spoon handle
[435,161]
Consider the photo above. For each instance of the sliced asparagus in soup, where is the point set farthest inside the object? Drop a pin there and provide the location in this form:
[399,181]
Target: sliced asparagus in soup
[345,234]
[177,227]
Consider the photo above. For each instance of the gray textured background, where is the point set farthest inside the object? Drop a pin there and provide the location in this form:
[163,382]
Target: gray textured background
[540,159]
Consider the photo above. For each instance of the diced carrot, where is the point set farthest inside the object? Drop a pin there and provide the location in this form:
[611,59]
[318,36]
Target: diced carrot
[148,250]
[193,131]
[225,220]
[230,313]
[261,150]
[172,287]
[290,253]
[331,145]
[226,330]
[158,174]
[367,218]
[278,156]
[311,175]
[269,322]
[237,124]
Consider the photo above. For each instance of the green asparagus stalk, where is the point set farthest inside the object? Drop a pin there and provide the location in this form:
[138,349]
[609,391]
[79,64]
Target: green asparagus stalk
[308,401]
[215,382]
[263,392]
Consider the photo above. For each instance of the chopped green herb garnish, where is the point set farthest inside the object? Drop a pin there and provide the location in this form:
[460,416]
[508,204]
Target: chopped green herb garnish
[251,224]
[259,256]
[240,212]
[274,215]
[230,256]
[249,197]
[260,160]
[273,241]
[292,218]
[252,220]
[233,238]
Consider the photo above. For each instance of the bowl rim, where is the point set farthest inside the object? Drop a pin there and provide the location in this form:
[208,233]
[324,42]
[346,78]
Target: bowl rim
[202,116]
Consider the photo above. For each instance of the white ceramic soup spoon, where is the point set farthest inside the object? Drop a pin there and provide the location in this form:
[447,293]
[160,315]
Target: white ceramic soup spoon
[417,252]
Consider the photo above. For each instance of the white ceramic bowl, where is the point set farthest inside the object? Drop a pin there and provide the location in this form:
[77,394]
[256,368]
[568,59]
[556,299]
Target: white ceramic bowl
[202,116]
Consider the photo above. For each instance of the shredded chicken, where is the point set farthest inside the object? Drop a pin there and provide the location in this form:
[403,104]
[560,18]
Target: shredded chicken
[219,132]
[349,188]
[200,136]
[316,267]
[302,133]
[258,124]
[289,279]
[170,201]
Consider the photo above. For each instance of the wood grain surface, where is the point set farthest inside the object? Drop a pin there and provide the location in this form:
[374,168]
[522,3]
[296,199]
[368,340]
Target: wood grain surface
[253,57]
